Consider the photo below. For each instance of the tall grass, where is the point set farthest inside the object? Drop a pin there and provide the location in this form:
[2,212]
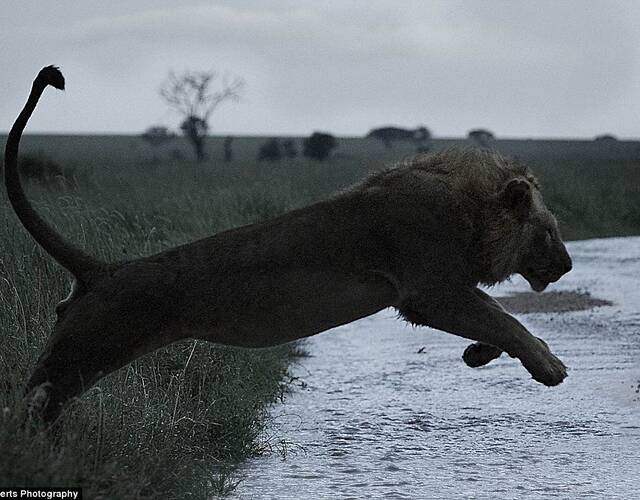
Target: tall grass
[170,425]
[592,199]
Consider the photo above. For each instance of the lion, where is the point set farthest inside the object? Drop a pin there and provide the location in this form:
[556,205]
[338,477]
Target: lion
[419,237]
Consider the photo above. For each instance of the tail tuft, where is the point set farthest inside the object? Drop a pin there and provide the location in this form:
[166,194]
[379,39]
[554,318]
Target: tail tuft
[51,75]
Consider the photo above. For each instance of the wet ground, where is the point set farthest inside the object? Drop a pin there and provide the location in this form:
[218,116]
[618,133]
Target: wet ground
[384,410]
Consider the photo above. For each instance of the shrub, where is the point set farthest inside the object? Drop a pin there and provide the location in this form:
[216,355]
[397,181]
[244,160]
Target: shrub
[289,148]
[270,151]
[39,168]
[481,137]
[157,136]
[319,146]
[606,138]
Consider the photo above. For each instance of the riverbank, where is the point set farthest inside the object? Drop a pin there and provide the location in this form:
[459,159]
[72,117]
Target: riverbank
[173,424]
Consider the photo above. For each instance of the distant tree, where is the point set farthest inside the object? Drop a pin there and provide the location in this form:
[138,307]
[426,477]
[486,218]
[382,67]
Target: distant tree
[606,138]
[388,135]
[270,151]
[228,151]
[289,149]
[196,129]
[421,134]
[191,94]
[157,136]
[319,146]
[481,137]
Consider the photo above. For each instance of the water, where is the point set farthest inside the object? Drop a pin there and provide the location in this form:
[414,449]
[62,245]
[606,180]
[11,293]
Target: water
[374,417]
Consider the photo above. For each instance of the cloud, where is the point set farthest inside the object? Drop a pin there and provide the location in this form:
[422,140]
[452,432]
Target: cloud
[349,31]
[521,68]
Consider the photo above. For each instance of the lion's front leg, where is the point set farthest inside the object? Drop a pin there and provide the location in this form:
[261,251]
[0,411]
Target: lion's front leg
[465,312]
[479,354]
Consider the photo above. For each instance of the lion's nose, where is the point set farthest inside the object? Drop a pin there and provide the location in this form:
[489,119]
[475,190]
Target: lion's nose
[563,259]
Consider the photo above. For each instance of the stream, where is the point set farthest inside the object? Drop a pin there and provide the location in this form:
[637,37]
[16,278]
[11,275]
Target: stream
[381,409]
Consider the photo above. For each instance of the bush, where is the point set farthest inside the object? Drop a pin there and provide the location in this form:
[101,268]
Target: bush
[289,148]
[421,135]
[157,136]
[606,138]
[39,168]
[270,151]
[319,146]
[481,137]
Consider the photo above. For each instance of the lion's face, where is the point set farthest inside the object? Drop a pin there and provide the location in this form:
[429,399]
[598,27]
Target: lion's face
[543,256]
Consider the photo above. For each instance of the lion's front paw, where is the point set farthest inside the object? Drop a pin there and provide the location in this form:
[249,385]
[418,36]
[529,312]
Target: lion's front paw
[544,366]
[479,354]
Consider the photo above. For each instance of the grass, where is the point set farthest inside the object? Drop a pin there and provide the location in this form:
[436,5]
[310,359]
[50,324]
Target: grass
[592,199]
[175,423]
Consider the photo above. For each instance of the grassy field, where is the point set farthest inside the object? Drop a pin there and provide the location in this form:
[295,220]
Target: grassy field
[174,424]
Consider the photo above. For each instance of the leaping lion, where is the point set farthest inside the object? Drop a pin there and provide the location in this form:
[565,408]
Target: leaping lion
[419,237]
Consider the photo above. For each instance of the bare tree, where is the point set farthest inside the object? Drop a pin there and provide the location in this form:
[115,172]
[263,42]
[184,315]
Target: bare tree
[192,94]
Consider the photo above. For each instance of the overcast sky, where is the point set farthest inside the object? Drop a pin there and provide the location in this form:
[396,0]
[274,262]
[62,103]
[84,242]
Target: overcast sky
[520,68]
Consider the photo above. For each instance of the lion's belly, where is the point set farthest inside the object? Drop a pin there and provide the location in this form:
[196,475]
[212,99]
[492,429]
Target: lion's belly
[309,304]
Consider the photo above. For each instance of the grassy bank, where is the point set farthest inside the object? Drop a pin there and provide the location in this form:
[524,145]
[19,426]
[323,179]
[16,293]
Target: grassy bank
[173,424]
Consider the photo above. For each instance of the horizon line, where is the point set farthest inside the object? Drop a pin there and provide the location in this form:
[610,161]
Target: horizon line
[345,136]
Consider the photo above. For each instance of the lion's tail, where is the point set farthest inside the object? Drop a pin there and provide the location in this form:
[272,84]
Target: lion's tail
[62,251]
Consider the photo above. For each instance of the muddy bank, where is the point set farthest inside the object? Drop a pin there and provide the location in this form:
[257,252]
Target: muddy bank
[551,302]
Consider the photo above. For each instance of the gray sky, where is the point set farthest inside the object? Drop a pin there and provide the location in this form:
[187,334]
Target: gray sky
[520,68]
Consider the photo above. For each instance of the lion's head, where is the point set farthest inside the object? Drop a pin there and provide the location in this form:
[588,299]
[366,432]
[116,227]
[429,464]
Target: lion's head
[515,232]
[542,256]
[521,234]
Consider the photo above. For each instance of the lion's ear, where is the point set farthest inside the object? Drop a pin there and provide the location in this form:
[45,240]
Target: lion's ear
[517,196]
